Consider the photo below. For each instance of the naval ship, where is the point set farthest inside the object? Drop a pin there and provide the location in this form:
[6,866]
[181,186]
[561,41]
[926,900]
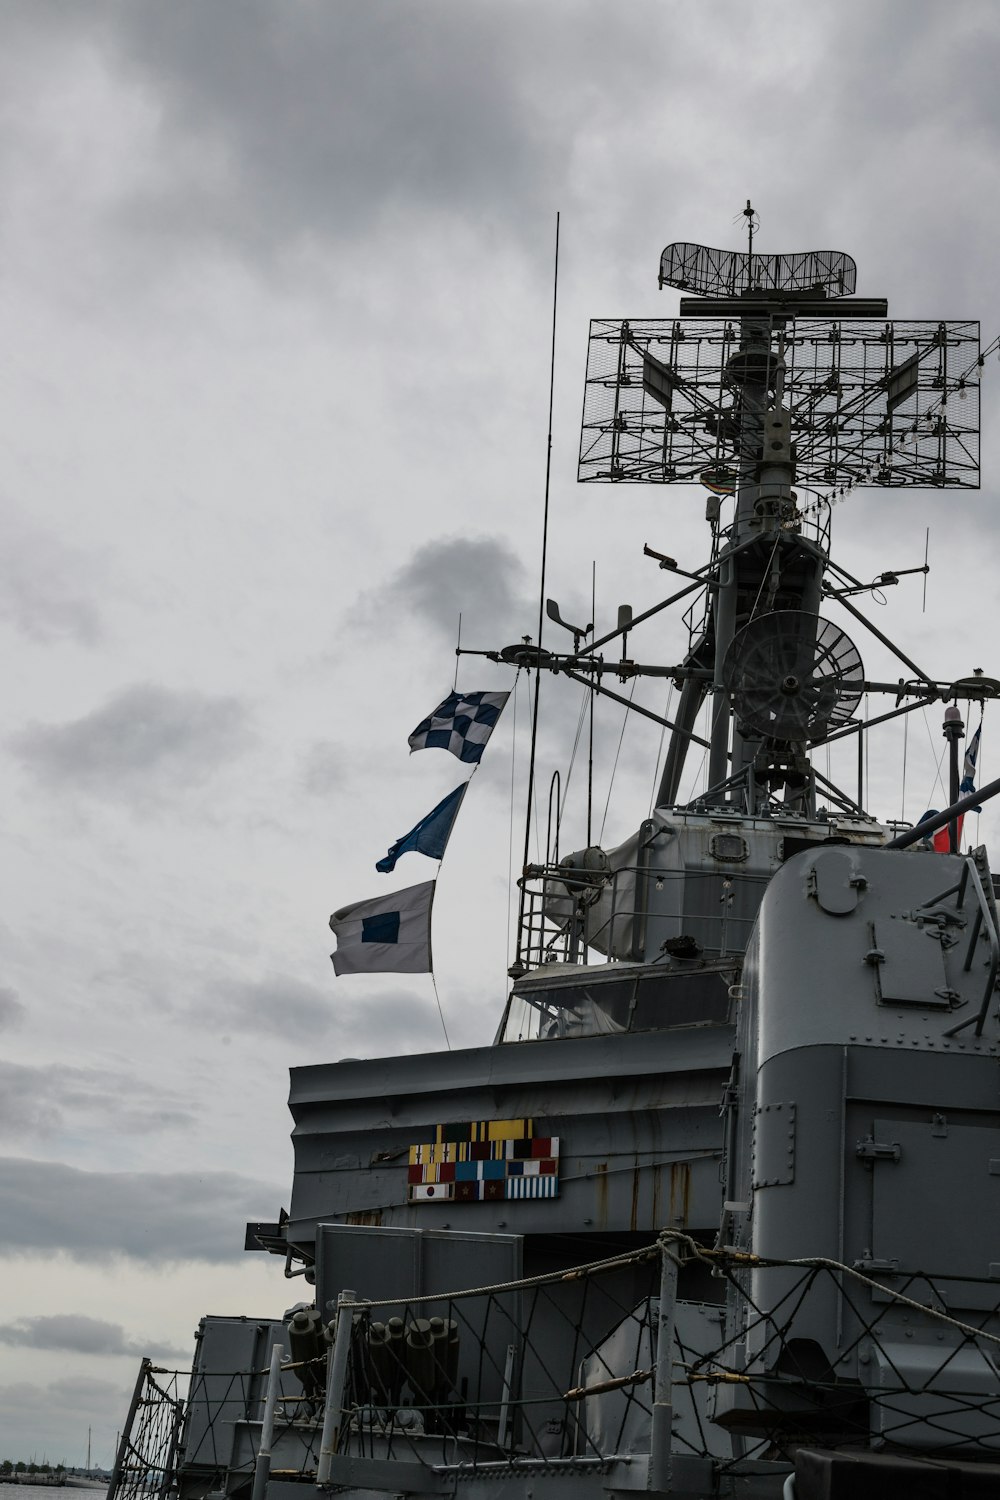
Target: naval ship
[717,1214]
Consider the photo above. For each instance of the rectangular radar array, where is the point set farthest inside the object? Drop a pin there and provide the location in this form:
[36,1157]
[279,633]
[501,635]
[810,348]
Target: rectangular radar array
[664,397]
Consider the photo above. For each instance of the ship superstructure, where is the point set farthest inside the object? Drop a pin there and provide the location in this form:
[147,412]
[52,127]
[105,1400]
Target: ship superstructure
[717,1212]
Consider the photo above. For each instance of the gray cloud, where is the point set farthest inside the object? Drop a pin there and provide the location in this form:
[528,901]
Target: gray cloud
[281,1006]
[12,1011]
[157,1217]
[323,768]
[37,1101]
[75,1333]
[286,1007]
[408,1017]
[318,122]
[481,577]
[40,584]
[143,739]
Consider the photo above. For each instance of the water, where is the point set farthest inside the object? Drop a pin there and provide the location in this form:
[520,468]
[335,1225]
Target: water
[47,1492]
[39,1491]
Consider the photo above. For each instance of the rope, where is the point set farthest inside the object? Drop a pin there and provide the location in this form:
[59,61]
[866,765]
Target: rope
[548,1278]
[726,1255]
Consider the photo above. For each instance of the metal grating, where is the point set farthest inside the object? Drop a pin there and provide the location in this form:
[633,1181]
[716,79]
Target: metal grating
[851,401]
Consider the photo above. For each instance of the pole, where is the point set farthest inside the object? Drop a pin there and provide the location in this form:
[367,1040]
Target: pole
[262,1468]
[336,1377]
[953,731]
[931,825]
[663,1411]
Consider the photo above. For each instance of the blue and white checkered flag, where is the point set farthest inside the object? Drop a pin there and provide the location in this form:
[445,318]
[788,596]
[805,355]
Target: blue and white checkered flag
[462,724]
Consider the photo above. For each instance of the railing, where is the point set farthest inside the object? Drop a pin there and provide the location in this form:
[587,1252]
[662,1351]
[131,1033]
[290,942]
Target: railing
[147,1449]
[750,1389]
[510,1379]
[491,1379]
[566,916]
[895,1367]
[215,1430]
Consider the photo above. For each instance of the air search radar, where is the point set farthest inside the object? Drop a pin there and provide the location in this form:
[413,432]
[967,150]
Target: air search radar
[862,399]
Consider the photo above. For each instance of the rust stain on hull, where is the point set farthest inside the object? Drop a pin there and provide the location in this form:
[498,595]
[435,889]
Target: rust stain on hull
[601,1194]
[680,1193]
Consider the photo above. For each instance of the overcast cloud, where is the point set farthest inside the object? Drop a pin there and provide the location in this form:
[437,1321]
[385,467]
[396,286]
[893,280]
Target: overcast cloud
[44,585]
[40,1101]
[481,578]
[12,1012]
[75,1333]
[156,1217]
[270,138]
[143,738]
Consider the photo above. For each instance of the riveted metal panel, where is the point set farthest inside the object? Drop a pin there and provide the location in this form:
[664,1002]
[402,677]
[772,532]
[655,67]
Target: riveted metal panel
[774,1145]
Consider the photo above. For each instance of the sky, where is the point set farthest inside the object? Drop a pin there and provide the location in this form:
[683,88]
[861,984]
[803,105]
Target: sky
[276,289]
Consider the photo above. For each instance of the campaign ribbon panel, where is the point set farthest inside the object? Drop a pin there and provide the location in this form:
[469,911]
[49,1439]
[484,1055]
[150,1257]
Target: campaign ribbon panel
[482,1161]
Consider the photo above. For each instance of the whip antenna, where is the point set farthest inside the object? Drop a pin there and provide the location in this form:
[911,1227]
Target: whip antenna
[541,604]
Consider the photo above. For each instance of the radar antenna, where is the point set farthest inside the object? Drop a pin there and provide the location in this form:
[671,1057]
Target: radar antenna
[793,676]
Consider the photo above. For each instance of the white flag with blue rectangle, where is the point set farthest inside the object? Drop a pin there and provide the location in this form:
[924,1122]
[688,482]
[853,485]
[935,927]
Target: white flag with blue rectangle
[389,935]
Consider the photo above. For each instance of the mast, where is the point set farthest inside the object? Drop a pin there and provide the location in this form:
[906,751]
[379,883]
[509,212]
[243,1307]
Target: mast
[775,375]
[779,390]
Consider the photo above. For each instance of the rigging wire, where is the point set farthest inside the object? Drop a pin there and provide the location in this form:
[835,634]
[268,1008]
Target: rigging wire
[765,575]
[979,769]
[437,997]
[710,721]
[587,695]
[614,768]
[937,782]
[659,753]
